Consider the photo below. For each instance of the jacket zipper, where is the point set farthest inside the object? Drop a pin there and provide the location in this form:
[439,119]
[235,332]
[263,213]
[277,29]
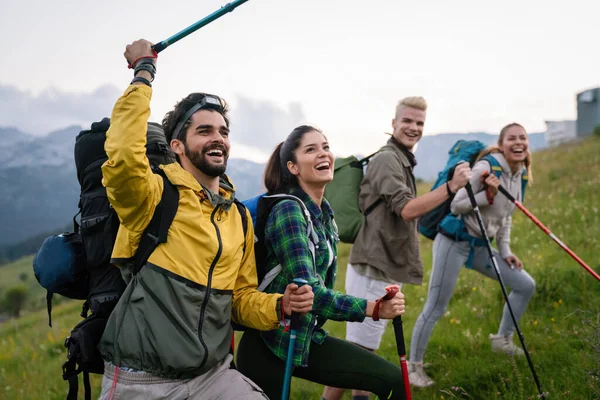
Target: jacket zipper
[208,286]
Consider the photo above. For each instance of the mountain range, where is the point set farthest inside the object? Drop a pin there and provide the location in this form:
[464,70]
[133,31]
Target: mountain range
[40,191]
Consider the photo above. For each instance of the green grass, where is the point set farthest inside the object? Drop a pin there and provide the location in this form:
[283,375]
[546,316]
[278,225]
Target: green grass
[11,276]
[564,196]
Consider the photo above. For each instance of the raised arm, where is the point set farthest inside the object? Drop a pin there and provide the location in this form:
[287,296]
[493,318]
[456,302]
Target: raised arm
[132,189]
[391,185]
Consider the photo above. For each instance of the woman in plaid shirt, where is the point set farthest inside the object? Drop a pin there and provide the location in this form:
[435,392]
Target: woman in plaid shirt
[302,166]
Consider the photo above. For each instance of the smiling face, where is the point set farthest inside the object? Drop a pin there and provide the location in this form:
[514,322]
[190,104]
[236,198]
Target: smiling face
[408,126]
[206,146]
[313,164]
[514,144]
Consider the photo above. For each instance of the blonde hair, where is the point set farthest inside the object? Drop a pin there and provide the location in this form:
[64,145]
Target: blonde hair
[413,102]
[496,149]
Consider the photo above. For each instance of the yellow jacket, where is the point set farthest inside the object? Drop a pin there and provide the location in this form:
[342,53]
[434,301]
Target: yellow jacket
[174,318]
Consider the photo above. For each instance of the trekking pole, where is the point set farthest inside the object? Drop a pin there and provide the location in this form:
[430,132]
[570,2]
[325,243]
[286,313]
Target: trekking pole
[547,231]
[289,368]
[495,264]
[229,7]
[399,333]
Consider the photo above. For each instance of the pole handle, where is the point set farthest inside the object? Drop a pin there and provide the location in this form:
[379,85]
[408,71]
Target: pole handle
[391,292]
[158,47]
[295,318]
[471,194]
[401,347]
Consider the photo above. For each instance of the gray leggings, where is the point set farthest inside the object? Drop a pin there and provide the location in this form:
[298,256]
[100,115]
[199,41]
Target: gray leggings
[448,258]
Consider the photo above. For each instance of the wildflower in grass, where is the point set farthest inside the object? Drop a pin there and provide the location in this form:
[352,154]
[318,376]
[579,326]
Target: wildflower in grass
[556,304]
[474,289]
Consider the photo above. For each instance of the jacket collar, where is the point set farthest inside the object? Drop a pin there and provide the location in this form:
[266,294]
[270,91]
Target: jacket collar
[408,159]
[505,167]
[180,177]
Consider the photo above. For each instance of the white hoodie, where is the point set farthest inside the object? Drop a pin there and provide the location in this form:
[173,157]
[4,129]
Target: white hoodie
[496,217]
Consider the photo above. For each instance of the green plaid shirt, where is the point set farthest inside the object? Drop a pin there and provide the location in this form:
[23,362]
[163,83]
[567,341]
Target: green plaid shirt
[287,244]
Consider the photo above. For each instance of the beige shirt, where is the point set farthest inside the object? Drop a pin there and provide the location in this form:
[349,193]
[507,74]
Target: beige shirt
[385,241]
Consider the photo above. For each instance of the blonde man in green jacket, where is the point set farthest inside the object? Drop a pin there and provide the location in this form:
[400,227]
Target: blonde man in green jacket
[169,336]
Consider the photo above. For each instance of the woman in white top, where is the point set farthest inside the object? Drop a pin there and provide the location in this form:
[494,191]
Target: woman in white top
[449,254]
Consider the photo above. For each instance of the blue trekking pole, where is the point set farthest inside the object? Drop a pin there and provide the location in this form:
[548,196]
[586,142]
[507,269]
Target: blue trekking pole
[295,322]
[229,7]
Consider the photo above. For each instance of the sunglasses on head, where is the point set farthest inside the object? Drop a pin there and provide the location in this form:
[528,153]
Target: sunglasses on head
[208,102]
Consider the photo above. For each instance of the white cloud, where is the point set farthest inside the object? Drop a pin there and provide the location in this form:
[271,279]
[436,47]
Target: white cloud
[262,124]
[53,109]
[257,125]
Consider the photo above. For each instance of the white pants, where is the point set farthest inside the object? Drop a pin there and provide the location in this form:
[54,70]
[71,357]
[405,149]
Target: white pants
[367,333]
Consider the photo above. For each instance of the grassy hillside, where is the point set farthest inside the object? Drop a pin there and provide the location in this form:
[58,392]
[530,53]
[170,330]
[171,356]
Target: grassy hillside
[558,325]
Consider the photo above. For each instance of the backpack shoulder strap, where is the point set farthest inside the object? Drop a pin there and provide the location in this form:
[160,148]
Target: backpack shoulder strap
[366,159]
[497,170]
[310,233]
[158,228]
[524,181]
[494,165]
[242,210]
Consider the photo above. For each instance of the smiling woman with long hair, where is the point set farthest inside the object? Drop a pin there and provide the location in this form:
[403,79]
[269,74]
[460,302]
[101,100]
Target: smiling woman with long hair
[449,254]
[302,166]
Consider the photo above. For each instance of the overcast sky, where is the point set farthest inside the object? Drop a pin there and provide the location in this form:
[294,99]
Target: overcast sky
[339,64]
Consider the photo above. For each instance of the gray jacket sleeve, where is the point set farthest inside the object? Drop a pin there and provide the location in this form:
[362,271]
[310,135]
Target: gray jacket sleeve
[503,238]
[387,178]
[461,203]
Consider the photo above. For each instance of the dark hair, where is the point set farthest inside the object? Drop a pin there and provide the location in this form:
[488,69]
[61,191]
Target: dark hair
[278,178]
[171,118]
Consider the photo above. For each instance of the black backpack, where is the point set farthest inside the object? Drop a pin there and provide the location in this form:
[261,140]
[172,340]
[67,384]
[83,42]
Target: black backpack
[77,264]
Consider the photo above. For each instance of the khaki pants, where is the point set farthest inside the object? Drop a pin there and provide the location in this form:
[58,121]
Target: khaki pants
[221,382]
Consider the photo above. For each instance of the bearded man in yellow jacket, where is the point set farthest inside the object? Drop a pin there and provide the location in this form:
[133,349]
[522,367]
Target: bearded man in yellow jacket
[169,336]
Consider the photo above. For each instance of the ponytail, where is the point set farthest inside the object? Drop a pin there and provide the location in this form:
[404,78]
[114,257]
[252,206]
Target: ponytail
[273,172]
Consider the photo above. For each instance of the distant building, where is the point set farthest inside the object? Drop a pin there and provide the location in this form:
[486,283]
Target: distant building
[558,132]
[588,117]
[588,111]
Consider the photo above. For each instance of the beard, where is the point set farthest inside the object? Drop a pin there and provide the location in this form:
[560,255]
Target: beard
[200,160]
